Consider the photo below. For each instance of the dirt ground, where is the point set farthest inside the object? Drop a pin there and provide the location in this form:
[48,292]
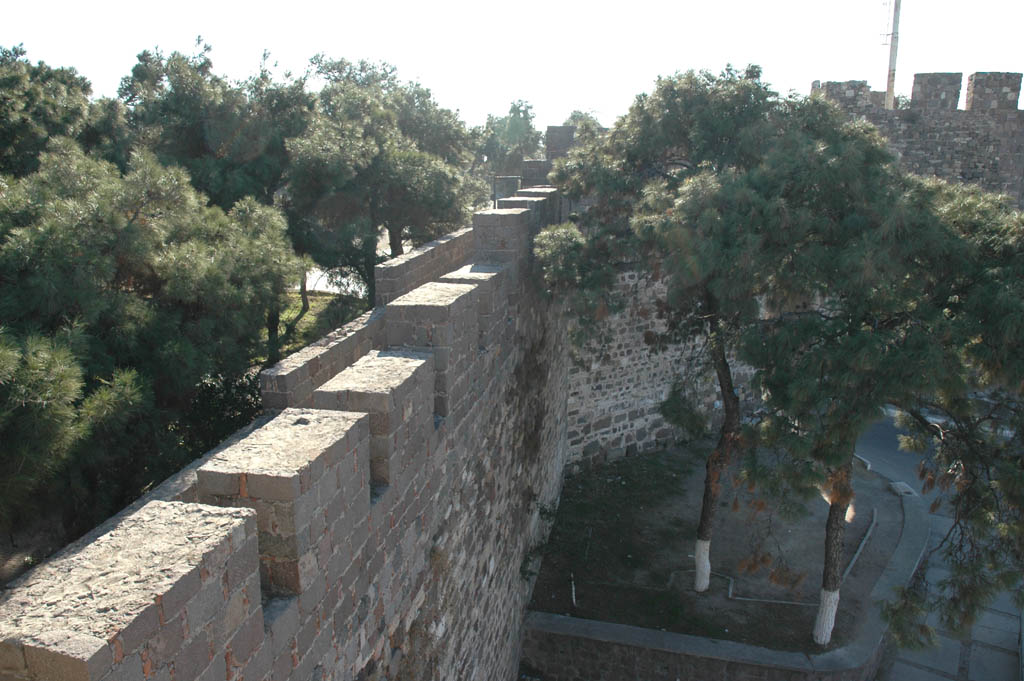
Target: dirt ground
[29,544]
[622,546]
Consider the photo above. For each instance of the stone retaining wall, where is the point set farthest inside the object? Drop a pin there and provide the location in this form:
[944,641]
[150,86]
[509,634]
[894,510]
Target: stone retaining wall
[372,526]
[562,648]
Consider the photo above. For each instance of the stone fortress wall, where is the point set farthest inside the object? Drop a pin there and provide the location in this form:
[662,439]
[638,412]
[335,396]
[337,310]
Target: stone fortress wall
[982,144]
[617,383]
[619,379]
[373,525]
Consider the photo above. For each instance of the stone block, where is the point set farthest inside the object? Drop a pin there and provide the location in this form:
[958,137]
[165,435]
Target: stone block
[388,385]
[247,638]
[179,594]
[131,669]
[533,203]
[142,629]
[281,622]
[279,470]
[500,217]
[290,382]
[535,172]
[542,191]
[441,317]
[166,644]
[62,655]
[71,616]
[193,659]
[400,275]
[282,667]
[12,659]
[989,92]
[491,280]
[259,665]
[936,91]
[558,139]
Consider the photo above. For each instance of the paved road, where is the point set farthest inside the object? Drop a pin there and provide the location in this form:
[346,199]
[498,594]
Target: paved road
[991,650]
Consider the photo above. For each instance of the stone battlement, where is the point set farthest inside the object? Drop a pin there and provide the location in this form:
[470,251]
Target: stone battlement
[987,92]
[373,524]
[981,144]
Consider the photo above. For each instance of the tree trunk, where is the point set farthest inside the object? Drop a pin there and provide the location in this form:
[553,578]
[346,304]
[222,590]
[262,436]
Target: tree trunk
[369,280]
[273,341]
[303,292]
[395,241]
[840,494]
[719,459]
[370,253]
[289,328]
[828,605]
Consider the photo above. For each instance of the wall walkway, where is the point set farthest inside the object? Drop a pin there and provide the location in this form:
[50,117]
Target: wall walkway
[372,525]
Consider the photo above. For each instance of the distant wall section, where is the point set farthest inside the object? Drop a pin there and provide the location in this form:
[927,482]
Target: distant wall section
[982,144]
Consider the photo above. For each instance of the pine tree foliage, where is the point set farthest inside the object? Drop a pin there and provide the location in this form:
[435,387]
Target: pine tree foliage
[506,141]
[36,102]
[40,384]
[905,276]
[120,296]
[230,137]
[968,430]
[791,240]
[378,154]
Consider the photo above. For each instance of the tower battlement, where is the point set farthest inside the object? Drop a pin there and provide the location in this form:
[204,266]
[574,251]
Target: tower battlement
[981,144]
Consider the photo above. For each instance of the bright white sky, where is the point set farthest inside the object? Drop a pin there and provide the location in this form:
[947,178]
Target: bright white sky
[479,56]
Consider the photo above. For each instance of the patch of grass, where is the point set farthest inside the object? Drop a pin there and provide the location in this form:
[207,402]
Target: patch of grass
[621,550]
[604,515]
[326,313]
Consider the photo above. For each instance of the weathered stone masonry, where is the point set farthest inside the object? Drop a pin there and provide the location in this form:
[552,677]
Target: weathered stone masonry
[374,523]
[983,144]
[620,378]
[617,384]
[372,526]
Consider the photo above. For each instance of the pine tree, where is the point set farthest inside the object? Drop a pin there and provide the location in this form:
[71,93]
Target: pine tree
[789,236]
[121,296]
[968,431]
[896,319]
[660,180]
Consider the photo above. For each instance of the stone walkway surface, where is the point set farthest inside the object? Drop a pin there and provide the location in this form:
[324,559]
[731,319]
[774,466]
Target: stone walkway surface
[991,652]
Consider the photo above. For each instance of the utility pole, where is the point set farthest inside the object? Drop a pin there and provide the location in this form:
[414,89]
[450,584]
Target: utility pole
[890,89]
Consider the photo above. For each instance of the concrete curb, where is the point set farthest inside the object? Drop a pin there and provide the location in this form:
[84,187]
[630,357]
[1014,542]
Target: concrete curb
[862,651]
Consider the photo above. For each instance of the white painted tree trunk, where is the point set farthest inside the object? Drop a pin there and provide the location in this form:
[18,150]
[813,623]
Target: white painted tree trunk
[826,619]
[702,557]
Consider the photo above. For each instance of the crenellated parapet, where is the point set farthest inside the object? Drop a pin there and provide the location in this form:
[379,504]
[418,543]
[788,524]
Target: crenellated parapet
[992,91]
[981,144]
[940,91]
[373,523]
